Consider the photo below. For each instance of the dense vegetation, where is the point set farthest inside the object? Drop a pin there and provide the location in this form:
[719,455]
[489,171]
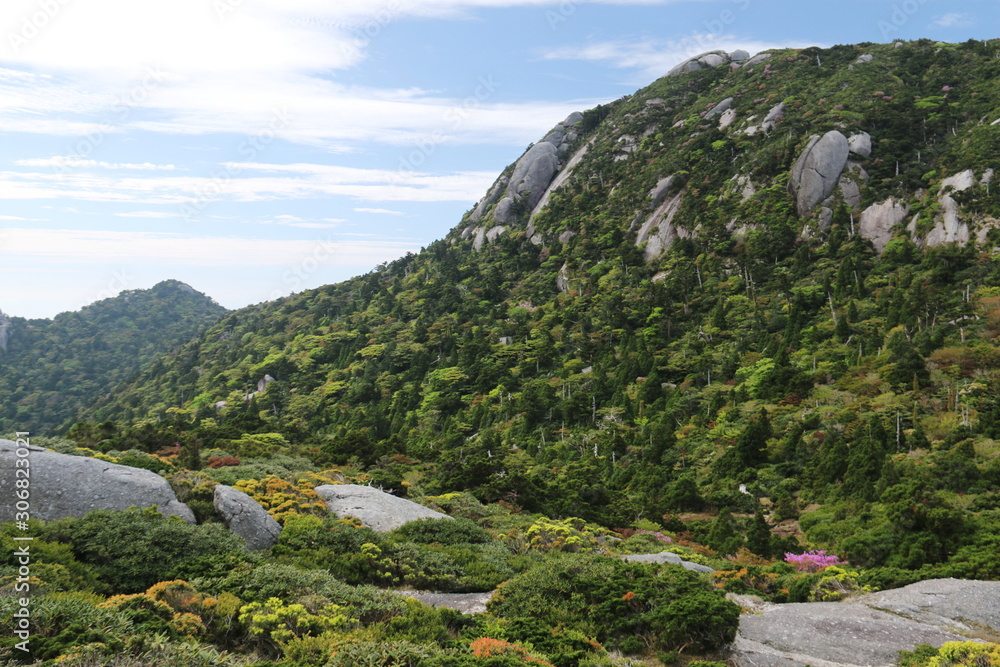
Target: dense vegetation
[770,384]
[52,369]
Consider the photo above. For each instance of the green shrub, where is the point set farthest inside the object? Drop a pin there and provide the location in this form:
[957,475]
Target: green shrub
[61,621]
[132,550]
[615,602]
[442,531]
[290,584]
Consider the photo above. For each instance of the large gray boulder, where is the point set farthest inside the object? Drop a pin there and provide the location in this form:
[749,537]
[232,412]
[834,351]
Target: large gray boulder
[244,516]
[870,629]
[376,509]
[818,170]
[703,61]
[70,486]
[861,144]
[660,190]
[719,108]
[757,59]
[877,221]
[951,228]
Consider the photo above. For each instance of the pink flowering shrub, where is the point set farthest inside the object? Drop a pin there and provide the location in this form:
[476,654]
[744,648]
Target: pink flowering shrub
[813,561]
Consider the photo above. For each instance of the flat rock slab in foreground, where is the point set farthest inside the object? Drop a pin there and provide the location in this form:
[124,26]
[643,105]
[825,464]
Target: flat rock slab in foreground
[70,486]
[376,509]
[859,632]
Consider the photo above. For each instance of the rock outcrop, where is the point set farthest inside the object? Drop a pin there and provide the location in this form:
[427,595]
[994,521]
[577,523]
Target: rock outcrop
[818,170]
[861,144]
[467,603]
[658,232]
[376,509]
[877,221]
[668,557]
[533,173]
[951,229]
[870,629]
[561,178]
[244,516]
[719,108]
[711,59]
[70,486]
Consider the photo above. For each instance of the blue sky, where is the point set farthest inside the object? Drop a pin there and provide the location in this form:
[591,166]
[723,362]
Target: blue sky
[255,148]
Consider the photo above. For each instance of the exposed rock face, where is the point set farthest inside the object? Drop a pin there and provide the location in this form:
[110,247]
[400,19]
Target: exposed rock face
[709,59]
[562,279]
[660,190]
[668,557]
[244,516]
[877,221]
[757,59]
[772,118]
[561,178]
[867,58]
[378,510]
[70,486]
[870,629]
[861,144]
[727,119]
[950,229]
[662,220]
[491,198]
[532,174]
[467,603]
[818,170]
[719,108]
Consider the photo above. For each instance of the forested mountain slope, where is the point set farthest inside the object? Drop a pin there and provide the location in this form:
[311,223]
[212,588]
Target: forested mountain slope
[778,272]
[53,368]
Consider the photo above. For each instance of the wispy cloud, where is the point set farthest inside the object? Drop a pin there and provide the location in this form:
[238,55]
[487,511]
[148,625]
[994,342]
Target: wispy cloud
[381,211]
[74,162]
[652,58]
[297,222]
[953,20]
[291,182]
[110,247]
[147,214]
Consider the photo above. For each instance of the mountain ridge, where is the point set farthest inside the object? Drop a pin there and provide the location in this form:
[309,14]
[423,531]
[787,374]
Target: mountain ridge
[58,365]
[676,321]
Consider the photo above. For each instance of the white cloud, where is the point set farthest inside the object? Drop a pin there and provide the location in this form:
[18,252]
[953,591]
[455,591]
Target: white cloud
[111,247]
[953,20]
[181,68]
[146,214]
[75,162]
[380,211]
[290,182]
[653,58]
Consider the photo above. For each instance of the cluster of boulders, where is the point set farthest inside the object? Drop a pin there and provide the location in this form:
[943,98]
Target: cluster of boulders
[866,630]
[512,196]
[62,485]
